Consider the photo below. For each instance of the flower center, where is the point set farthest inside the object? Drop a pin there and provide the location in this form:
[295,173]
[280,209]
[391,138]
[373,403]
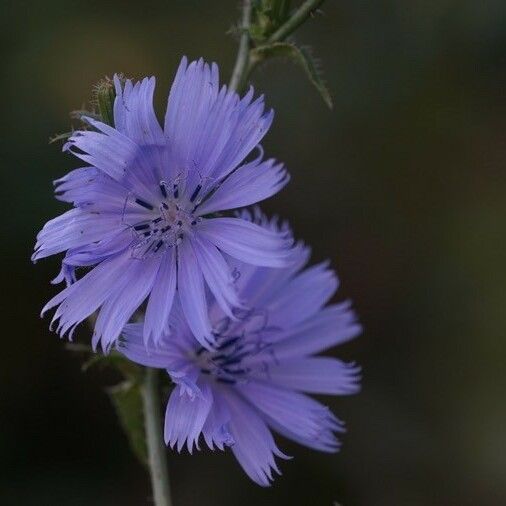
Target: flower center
[237,344]
[165,224]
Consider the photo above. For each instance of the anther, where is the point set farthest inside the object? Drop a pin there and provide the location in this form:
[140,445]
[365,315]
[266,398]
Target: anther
[227,343]
[176,191]
[195,193]
[141,227]
[144,204]
[226,380]
[163,190]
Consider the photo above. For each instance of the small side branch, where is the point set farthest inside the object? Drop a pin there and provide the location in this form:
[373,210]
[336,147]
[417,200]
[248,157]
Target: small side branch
[296,19]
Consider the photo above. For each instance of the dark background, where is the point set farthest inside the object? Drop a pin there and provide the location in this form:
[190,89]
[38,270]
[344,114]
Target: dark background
[402,186]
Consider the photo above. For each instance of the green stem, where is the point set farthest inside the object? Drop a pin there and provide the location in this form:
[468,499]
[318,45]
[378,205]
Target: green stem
[247,60]
[154,436]
[295,20]
[242,61]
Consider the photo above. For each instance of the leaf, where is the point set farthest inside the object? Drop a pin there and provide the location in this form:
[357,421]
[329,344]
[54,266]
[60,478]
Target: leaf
[115,360]
[60,137]
[126,396]
[127,400]
[301,56]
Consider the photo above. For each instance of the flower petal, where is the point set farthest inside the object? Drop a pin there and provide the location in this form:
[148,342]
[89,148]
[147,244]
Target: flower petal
[112,152]
[249,184]
[185,417]
[134,115]
[295,415]
[156,321]
[247,241]
[79,300]
[211,130]
[217,274]
[216,429]
[131,344]
[331,326]
[93,189]
[317,375]
[74,229]
[254,446]
[304,295]
[134,286]
[190,286]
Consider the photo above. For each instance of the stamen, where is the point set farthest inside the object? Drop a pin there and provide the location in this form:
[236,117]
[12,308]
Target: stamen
[144,204]
[236,371]
[158,246]
[227,343]
[195,193]
[176,191]
[231,361]
[225,380]
[163,190]
[141,227]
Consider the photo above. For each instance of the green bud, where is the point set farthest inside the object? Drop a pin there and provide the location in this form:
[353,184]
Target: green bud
[103,97]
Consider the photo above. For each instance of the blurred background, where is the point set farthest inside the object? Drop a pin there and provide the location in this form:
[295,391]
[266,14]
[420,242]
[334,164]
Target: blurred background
[402,186]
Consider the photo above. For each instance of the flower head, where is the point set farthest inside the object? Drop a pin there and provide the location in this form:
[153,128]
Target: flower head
[145,207]
[263,363]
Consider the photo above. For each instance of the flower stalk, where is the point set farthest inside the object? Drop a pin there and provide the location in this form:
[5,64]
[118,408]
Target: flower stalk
[240,72]
[248,58]
[154,435]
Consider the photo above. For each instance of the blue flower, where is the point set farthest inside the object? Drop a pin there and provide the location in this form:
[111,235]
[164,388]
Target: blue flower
[262,365]
[145,216]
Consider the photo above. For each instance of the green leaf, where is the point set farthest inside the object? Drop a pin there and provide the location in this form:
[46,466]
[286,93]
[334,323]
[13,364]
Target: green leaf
[126,396]
[114,360]
[127,400]
[301,56]
[60,137]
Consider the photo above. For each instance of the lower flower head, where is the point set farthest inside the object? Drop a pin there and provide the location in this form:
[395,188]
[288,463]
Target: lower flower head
[261,366]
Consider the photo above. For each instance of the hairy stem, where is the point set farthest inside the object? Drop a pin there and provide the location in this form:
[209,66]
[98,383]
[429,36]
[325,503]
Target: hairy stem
[246,60]
[154,436]
[295,20]
[242,61]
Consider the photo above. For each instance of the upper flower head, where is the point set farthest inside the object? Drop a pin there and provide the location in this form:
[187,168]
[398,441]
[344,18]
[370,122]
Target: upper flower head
[263,362]
[145,207]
